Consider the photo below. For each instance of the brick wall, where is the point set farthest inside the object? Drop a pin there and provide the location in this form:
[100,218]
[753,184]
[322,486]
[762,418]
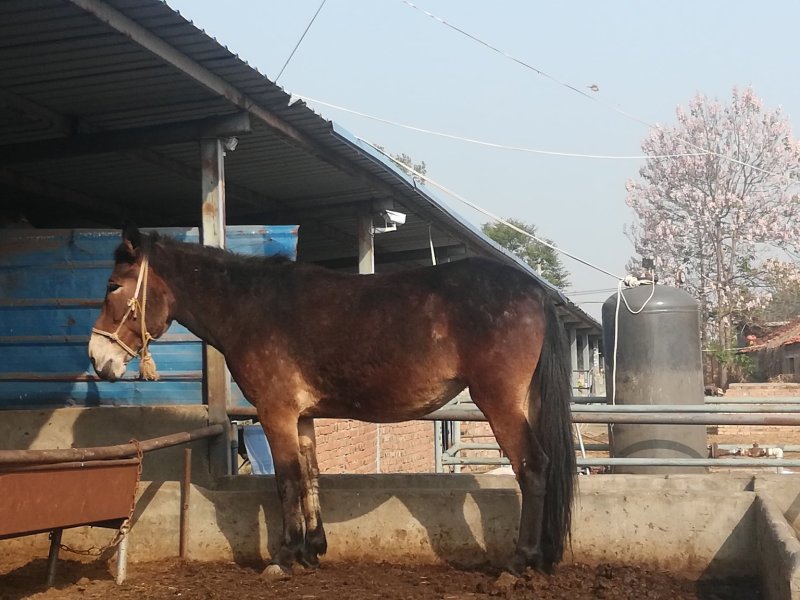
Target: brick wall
[407,447]
[345,446]
[759,433]
[477,432]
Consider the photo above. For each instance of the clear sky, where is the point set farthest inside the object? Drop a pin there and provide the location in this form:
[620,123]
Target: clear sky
[384,58]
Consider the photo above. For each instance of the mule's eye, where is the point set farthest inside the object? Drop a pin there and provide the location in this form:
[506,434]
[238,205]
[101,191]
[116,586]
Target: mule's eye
[112,287]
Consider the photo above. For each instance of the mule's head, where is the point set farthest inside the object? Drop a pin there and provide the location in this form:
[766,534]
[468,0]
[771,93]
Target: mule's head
[136,309]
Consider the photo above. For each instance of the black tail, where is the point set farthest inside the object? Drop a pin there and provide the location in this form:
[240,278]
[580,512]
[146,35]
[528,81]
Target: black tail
[555,435]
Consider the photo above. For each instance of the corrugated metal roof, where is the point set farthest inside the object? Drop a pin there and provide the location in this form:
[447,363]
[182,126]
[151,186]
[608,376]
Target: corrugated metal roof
[64,70]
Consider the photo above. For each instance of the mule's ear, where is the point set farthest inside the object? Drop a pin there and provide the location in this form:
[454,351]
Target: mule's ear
[131,239]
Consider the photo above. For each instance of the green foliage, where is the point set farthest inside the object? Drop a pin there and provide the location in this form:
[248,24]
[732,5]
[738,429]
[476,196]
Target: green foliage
[784,304]
[537,255]
[405,159]
[740,366]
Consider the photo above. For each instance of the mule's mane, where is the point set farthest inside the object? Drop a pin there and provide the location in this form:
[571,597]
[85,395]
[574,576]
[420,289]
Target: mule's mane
[206,254]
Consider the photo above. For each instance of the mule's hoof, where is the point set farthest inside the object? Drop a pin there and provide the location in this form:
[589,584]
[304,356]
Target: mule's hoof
[276,572]
[516,566]
[505,582]
[308,561]
[546,567]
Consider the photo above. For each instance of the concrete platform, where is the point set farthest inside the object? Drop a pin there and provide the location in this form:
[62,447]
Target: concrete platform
[700,526]
[708,525]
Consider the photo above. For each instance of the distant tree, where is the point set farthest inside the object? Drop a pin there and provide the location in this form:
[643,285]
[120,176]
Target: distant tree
[721,219]
[405,159]
[784,304]
[543,259]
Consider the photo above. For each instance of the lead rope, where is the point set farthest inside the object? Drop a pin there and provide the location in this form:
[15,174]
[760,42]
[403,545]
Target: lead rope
[147,366]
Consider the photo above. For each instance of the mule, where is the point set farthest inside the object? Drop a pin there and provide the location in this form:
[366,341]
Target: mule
[303,342]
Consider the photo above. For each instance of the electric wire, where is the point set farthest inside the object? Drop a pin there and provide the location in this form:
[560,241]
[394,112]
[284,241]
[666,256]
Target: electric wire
[492,216]
[492,144]
[300,41]
[577,90]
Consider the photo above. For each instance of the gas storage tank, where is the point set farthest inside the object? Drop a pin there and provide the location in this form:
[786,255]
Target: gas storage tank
[658,361]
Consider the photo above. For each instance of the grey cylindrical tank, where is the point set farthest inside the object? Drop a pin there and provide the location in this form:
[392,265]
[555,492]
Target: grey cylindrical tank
[658,361]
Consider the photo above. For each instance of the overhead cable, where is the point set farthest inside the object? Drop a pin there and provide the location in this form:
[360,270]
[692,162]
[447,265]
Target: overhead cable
[490,144]
[492,216]
[591,97]
[300,41]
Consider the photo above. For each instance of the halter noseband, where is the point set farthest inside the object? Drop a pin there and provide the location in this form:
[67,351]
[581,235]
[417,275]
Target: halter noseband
[147,366]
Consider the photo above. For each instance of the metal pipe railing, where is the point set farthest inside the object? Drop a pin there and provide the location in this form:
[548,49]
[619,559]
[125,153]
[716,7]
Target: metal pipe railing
[687,408]
[27,457]
[640,462]
[610,415]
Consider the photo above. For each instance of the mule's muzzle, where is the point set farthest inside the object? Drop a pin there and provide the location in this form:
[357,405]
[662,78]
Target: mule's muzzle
[108,359]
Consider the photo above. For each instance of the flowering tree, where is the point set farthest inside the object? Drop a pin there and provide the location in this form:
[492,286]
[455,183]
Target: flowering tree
[717,206]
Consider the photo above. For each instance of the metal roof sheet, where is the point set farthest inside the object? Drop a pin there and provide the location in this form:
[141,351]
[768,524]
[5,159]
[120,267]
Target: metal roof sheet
[66,70]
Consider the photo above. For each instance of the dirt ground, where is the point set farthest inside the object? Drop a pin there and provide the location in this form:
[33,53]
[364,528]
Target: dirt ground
[174,579]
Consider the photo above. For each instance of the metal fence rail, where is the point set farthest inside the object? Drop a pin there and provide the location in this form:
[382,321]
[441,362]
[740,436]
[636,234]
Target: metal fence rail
[763,411]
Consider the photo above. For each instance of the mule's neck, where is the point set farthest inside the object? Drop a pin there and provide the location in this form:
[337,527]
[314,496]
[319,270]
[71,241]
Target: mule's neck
[205,300]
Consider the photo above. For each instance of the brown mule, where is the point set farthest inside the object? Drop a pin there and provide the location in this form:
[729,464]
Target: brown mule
[305,342]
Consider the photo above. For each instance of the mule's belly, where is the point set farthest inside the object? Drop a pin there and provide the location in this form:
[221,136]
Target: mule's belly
[390,404]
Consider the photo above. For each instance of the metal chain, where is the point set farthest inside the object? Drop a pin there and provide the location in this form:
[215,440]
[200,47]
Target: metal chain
[125,525]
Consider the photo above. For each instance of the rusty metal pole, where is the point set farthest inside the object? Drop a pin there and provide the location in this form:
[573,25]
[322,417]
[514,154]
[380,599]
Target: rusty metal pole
[186,486]
[216,380]
[52,557]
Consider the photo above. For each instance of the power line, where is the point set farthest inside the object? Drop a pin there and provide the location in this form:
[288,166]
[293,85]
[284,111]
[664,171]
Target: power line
[487,213]
[300,41]
[491,144]
[582,93]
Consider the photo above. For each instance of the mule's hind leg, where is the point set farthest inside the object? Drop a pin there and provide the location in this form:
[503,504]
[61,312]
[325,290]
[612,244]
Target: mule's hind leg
[315,542]
[505,409]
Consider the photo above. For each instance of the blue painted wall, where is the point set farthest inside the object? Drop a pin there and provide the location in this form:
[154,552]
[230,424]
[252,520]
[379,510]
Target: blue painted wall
[52,283]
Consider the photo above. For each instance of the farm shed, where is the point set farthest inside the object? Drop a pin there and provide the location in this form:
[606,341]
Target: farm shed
[123,110]
[777,354]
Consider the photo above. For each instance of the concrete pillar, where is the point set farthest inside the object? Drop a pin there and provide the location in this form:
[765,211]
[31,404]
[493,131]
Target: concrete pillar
[573,354]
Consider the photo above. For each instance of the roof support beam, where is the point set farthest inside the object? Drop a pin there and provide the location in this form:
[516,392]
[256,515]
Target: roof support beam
[37,187]
[121,140]
[216,84]
[58,122]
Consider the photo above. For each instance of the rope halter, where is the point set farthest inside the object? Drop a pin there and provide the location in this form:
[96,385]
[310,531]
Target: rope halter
[147,366]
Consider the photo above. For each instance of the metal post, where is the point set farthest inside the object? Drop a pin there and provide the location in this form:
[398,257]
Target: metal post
[122,554]
[438,442]
[587,362]
[52,557]
[366,244]
[366,266]
[217,381]
[186,486]
[573,354]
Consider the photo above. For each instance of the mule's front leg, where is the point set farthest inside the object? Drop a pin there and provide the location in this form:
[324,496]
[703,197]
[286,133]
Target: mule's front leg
[284,444]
